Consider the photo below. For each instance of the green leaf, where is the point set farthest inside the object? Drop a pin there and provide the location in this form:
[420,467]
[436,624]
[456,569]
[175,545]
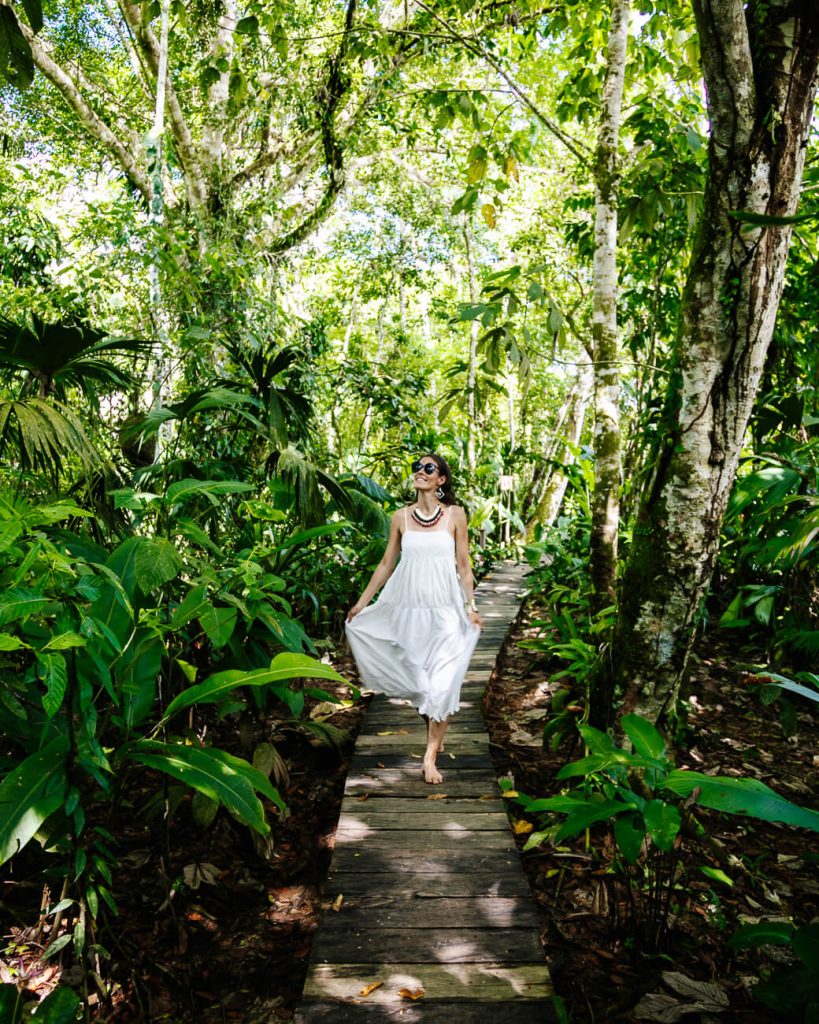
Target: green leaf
[12,643]
[64,642]
[34,13]
[54,674]
[11,1004]
[248,26]
[600,762]
[598,742]
[806,946]
[716,875]
[283,667]
[190,488]
[219,623]
[646,739]
[209,773]
[747,797]
[588,815]
[18,605]
[194,603]
[765,933]
[156,562]
[662,822]
[136,674]
[29,794]
[629,836]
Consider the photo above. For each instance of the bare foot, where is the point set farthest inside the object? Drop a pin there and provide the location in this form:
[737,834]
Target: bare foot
[431,773]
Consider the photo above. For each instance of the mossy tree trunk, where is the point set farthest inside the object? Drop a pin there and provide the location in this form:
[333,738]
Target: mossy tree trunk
[760,67]
[606,499]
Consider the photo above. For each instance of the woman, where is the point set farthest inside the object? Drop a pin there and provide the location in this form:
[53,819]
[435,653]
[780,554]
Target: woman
[417,640]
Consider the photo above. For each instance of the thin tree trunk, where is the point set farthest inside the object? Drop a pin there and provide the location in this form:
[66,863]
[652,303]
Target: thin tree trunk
[472,363]
[549,505]
[760,65]
[156,161]
[607,471]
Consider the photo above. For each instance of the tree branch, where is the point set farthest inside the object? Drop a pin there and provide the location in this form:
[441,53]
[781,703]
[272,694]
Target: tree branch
[477,49]
[71,88]
[195,182]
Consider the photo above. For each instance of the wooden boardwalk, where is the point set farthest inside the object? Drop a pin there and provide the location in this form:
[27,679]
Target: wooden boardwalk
[426,891]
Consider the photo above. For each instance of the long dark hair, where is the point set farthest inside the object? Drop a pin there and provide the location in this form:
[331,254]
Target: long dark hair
[443,468]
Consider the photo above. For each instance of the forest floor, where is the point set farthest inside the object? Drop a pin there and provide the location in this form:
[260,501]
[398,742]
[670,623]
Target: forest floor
[221,932]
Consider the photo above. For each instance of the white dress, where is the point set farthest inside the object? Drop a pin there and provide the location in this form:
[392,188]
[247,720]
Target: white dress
[416,641]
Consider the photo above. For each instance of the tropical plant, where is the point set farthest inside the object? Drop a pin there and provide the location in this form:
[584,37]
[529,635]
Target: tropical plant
[649,805]
[793,992]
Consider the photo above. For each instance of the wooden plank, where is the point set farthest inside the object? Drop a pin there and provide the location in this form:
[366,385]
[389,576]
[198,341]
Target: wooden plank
[432,841]
[492,819]
[442,945]
[374,910]
[502,882]
[438,1011]
[441,804]
[398,783]
[471,982]
[398,759]
[444,865]
[477,742]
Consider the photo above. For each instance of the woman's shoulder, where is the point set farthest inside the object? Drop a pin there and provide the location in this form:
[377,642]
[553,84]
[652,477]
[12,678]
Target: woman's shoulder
[457,512]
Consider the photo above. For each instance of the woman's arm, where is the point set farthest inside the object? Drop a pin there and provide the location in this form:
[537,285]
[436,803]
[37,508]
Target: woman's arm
[384,569]
[464,564]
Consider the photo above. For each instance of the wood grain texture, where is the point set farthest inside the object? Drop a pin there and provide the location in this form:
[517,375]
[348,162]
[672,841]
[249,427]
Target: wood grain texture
[428,894]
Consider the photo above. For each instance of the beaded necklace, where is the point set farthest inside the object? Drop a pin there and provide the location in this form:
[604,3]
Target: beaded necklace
[427,522]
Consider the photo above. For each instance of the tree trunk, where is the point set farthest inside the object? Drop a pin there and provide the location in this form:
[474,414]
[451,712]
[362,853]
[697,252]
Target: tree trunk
[549,504]
[760,66]
[472,362]
[607,472]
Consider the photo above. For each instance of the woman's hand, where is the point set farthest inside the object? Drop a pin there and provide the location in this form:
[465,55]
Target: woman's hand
[357,607]
[476,619]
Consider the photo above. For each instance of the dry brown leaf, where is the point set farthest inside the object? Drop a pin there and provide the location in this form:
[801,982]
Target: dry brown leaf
[363,797]
[437,796]
[407,993]
[336,905]
[522,828]
[370,988]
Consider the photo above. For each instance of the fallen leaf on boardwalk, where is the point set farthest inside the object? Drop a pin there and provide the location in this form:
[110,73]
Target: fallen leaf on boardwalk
[510,794]
[393,732]
[336,905]
[407,993]
[370,988]
[363,797]
[437,796]
[381,764]
[522,828]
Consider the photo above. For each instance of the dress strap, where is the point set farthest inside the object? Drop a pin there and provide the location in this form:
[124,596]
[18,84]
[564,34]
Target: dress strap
[406,524]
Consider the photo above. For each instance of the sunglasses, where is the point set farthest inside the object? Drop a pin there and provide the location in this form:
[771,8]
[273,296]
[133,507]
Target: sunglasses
[428,467]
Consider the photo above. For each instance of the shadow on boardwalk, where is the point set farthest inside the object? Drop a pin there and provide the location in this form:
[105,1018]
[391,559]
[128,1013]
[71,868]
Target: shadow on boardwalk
[426,897]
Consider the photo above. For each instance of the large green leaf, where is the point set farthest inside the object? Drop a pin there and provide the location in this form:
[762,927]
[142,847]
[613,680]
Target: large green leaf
[29,794]
[219,623]
[741,796]
[55,676]
[662,822]
[282,667]
[190,488]
[18,605]
[600,762]
[629,836]
[136,674]
[11,1004]
[156,561]
[591,813]
[194,603]
[765,933]
[58,1008]
[646,739]
[208,772]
